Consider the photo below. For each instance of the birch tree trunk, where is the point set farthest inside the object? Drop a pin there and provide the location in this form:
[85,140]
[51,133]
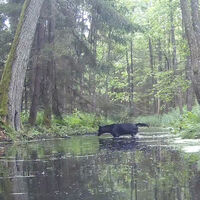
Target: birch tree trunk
[11,86]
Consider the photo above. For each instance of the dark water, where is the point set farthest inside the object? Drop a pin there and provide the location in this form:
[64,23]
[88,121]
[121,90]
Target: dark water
[89,168]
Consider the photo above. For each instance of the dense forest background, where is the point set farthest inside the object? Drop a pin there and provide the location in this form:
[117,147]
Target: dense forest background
[112,58]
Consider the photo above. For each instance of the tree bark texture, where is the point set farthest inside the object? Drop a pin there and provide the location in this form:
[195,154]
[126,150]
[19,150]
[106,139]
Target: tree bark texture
[37,67]
[190,94]
[131,79]
[93,42]
[130,70]
[160,68]
[18,61]
[173,40]
[49,68]
[151,57]
[192,29]
[55,100]
[178,96]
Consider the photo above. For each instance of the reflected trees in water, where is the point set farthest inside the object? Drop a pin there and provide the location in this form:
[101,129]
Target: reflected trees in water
[89,169]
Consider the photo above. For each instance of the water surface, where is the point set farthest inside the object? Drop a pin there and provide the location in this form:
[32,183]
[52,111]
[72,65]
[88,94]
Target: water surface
[91,168]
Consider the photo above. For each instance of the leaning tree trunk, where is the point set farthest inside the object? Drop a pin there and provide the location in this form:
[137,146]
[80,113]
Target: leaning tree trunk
[11,86]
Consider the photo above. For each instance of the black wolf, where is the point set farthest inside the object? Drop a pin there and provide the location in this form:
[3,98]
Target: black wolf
[120,129]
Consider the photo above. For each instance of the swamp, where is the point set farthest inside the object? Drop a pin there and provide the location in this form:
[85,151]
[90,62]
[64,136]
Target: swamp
[152,166]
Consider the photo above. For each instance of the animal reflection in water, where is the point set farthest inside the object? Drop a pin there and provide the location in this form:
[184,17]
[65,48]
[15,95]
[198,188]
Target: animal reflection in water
[122,144]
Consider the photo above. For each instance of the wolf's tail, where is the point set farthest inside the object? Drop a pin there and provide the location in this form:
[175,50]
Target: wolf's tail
[142,124]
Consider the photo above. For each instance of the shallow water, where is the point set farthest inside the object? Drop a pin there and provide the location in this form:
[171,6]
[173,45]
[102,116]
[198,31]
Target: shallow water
[91,168]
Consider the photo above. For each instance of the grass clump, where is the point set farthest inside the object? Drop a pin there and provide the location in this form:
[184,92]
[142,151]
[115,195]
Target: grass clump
[186,124]
[164,120]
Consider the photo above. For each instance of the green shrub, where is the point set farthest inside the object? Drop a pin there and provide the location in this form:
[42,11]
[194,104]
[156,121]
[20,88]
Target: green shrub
[188,125]
[77,123]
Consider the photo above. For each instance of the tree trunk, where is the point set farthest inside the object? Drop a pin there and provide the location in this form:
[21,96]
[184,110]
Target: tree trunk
[25,99]
[92,75]
[173,40]
[192,29]
[55,101]
[178,95]
[37,67]
[129,69]
[47,98]
[108,60]
[131,81]
[190,94]
[48,70]
[152,72]
[12,83]
[180,101]
[160,68]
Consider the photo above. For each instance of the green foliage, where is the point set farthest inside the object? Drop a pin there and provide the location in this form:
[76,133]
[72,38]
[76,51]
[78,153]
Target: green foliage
[10,133]
[168,84]
[188,125]
[77,123]
[5,40]
[79,119]
[109,14]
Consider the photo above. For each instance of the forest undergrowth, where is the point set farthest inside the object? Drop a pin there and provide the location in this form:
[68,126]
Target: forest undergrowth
[186,125]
